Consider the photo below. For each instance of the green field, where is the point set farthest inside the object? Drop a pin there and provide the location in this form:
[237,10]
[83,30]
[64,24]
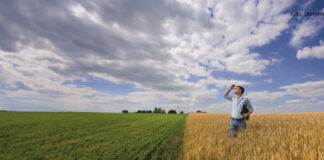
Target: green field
[77,135]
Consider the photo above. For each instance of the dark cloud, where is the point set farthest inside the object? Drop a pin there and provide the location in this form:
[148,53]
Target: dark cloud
[51,93]
[30,22]
[34,23]
[19,86]
[129,34]
[2,75]
[149,76]
[76,39]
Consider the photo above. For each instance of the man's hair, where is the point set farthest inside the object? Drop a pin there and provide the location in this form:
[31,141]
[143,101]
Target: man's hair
[242,89]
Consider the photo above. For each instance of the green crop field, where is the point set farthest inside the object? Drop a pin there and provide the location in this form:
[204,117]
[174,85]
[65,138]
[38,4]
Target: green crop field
[77,135]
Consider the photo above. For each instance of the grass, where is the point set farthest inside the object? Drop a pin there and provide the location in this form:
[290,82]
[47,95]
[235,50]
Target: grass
[268,136]
[73,135]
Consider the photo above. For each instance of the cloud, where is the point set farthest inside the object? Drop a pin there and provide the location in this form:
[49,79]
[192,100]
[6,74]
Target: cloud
[311,52]
[268,80]
[223,107]
[307,4]
[309,75]
[249,25]
[297,101]
[265,96]
[305,29]
[39,85]
[276,60]
[222,82]
[135,34]
[306,89]
[155,45]
[265,101]
[246,63]
[310,89]
[19,85]
[301,105]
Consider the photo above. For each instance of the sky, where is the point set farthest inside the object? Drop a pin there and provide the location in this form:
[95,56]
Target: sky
[107,56]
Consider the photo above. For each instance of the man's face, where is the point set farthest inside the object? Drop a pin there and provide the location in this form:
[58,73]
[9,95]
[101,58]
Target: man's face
[237,90]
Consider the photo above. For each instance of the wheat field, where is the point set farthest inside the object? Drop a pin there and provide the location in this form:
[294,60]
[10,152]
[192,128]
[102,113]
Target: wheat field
[276,136]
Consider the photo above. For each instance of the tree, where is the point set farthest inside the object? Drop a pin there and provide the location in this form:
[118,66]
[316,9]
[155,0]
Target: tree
[172,111]
[144,111]
[125,111]
[198,111]
[181,112]
[157,110]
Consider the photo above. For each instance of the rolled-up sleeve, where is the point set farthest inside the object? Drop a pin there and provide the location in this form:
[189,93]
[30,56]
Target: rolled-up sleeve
[228,97]
[249,105]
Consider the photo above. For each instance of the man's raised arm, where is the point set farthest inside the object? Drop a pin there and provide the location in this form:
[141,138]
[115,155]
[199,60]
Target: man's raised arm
[226,93]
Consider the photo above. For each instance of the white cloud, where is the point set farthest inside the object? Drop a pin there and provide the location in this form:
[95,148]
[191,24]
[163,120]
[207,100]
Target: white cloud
[301,105]
[276,60]
[268,80]
[223,107]
[308,28]
[297,101]
[311,52]
[265,96]
[224,43]
[307,89]
[311,89]
[307,4]
[309,75]
[248,63]
[264,100]
[222,82]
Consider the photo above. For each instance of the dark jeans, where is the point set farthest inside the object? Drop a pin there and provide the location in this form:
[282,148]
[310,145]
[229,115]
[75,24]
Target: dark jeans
[236,125]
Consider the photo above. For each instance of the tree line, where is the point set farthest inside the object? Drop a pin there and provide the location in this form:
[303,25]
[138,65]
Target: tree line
[156,110]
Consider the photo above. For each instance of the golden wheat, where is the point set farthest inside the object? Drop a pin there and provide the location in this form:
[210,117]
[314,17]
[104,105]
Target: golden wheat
[268,136]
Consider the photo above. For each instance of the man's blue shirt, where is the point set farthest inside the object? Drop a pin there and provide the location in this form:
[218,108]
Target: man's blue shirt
[237,105]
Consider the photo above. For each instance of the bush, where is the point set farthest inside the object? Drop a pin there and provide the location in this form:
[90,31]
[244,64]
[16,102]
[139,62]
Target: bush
[172,112]
[125,111]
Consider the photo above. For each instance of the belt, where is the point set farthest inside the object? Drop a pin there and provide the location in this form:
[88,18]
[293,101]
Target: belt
[241,119]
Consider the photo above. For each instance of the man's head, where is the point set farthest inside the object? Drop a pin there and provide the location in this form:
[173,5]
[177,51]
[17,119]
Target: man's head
[239,90]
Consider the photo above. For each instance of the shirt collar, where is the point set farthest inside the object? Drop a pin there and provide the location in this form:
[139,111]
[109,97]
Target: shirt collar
[242,97]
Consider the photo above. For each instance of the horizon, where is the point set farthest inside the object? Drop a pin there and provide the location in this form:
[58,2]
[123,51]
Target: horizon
[178,112]
[71,56]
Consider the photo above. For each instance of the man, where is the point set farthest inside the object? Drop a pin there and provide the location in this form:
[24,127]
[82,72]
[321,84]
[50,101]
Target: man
[238,120]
